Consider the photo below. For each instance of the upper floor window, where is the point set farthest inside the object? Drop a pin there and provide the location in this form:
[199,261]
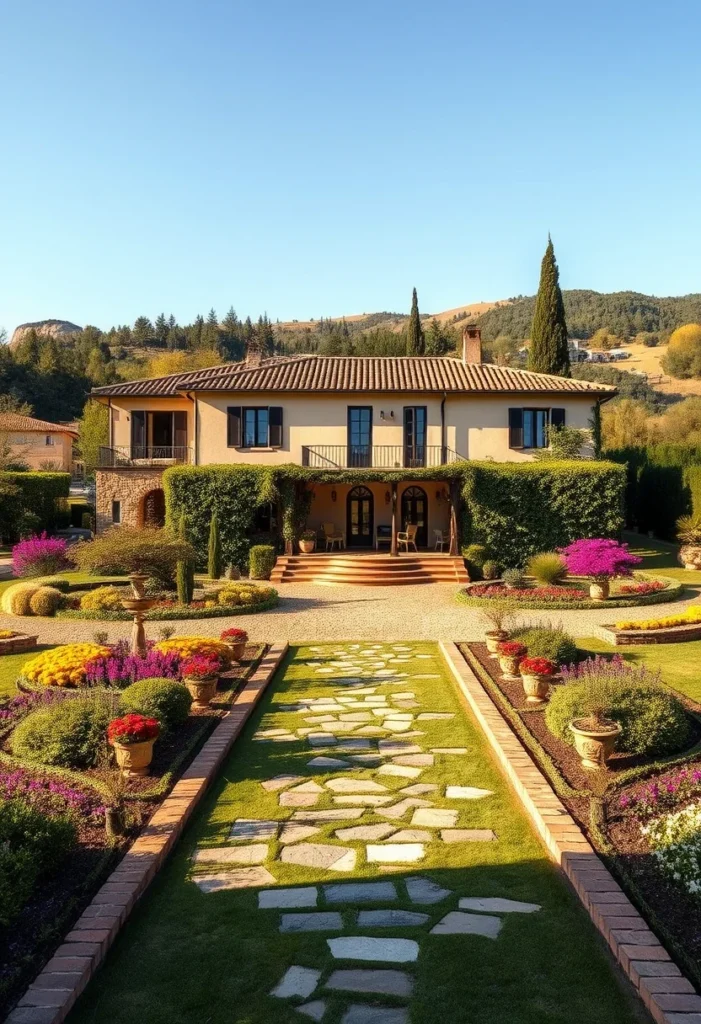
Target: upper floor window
[528,428]
[254,426]
[414,436]
[49,439]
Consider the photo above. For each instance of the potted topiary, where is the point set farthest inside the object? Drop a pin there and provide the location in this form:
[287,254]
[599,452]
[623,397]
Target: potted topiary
[201,675]
[595,736]
[236,640]
[307,541]
[601,560]
[689,533]
[132,737]
[511,654]
[536,675]
[497,614]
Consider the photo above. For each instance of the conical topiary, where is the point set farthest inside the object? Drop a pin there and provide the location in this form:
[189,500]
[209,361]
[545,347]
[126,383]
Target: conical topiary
[185,570]
[214,563]
[549,351]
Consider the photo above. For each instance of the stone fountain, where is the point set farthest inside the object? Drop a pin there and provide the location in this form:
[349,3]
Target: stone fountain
[139,604]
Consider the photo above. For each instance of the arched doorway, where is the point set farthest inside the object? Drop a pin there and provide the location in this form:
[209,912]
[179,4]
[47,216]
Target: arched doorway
[153,508]
[415,510]
[360,517]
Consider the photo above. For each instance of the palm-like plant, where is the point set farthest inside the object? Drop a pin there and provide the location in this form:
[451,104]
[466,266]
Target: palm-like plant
[689,528]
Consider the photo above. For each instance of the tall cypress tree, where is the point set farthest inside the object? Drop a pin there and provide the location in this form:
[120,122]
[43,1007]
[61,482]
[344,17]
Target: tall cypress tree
[185,569]
[415,342]
[549,352]
[214,563]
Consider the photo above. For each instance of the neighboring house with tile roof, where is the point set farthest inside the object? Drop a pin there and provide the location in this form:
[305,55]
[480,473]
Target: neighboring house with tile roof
[334,413]
[38,444]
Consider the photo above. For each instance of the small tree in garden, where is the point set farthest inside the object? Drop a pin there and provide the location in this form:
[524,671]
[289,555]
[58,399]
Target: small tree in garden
[185,568]
[127,549]
[214,564]
[599,559]
[39,556]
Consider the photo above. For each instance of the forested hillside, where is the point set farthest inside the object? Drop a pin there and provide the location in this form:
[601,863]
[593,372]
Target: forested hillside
[621,313]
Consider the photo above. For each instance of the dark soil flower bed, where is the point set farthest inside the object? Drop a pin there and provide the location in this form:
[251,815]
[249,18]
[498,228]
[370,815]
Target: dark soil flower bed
[635,789]
[60,899]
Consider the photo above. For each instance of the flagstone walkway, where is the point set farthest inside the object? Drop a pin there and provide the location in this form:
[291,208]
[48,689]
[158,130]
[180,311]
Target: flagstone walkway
[363,863]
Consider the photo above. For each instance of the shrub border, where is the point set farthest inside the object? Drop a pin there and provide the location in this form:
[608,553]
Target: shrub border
[172,615]
[55,990]
[640,954]
[672,593]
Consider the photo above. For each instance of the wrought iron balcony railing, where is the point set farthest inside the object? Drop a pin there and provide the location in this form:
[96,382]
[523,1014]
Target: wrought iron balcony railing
[138,455]
[385,456]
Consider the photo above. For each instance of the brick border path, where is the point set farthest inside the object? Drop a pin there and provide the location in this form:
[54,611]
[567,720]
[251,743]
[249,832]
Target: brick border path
[53,992]
[670,998]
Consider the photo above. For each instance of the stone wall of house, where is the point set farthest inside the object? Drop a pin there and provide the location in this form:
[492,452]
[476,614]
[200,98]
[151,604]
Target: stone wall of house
[127,486]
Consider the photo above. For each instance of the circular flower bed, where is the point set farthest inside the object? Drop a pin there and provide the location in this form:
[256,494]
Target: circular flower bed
[233,599]
[62,666]
[574,595]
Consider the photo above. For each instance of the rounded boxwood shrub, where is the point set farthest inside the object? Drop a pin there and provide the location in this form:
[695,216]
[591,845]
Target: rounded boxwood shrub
[45,601]
[653,720]
[69,735]
[547,642]
[102,599]
[490,570]
[261,561]
[164,699]
[15,600]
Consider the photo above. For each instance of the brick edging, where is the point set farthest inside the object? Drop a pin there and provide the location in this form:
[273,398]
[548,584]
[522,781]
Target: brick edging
[49,998]
[670,998]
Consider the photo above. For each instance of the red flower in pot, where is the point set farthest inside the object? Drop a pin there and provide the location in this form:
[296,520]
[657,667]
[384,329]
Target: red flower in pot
[511,654]
[201,675]
[132,737]
[237,640]
[536,674]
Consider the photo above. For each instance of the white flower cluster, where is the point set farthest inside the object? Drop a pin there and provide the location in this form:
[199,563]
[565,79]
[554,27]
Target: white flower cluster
[676,842]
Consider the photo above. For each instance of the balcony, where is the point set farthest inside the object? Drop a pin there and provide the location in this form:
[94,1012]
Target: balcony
[386,456]
[136,457]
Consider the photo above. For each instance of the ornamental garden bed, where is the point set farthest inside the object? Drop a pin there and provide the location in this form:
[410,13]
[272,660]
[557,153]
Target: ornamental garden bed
[16,643]
[662,635]
[29,935]
[615,808]
[573,594]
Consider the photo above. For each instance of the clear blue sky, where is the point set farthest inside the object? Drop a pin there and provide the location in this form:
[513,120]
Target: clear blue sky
[316,158]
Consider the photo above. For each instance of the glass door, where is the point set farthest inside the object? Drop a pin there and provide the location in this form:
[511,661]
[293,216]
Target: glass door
[359,518]
[414,436]
[415,512]
[359,436]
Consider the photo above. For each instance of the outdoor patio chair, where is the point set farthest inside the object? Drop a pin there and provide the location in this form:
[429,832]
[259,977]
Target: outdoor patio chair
[441,539]
[407,537]
[332,536]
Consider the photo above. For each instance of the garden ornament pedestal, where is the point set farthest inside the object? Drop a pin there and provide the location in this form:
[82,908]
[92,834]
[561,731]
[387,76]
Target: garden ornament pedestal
[690,556]
[594,744]
[139,605]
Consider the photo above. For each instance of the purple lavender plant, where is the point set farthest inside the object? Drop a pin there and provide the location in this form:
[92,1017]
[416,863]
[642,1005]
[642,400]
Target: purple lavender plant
[50,796]
[613,669]
[120,667]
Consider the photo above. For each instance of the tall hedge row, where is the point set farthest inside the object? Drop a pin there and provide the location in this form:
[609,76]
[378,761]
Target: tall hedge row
[519,509]
[41,493]
[515,509]
[663,483]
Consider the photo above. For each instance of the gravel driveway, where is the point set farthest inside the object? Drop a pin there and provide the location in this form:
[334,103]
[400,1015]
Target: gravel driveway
[312,612]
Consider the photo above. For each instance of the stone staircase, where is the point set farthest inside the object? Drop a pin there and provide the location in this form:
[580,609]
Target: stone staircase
[369,570]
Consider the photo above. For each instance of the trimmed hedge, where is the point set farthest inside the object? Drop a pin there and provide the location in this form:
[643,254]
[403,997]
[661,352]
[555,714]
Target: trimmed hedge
[42,494]
[663,483]
[514,509]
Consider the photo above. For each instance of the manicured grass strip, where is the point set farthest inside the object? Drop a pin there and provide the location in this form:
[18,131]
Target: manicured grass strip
[190,957]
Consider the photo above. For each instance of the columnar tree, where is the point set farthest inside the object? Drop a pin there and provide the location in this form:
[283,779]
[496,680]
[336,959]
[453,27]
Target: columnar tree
[214,562]
[185,569]
[549,352]
[415,342]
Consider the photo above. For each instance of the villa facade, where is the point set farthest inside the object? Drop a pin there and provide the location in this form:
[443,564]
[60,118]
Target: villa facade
[335,414]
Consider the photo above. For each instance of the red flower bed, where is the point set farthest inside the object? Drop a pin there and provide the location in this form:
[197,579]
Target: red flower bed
[200,667]
[640,589]
[512,649]
[529,593]
[132,729]
[234,636]
[538,667]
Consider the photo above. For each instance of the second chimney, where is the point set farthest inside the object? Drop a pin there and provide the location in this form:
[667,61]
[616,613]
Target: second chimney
[472,344]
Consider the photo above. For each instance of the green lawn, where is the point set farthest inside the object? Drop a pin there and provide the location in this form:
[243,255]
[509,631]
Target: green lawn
[10,664]
[189,958]
[660,557]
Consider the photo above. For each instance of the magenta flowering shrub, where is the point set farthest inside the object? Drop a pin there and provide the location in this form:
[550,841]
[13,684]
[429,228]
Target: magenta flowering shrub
[662,794]
[52,797]
[39,556]
[121,667]
[599,558]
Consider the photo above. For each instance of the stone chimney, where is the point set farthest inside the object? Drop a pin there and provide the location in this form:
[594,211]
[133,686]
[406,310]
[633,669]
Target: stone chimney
[254,355]
[471,344]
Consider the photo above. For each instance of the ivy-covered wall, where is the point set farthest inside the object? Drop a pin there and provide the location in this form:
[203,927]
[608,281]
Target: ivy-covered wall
[515,509]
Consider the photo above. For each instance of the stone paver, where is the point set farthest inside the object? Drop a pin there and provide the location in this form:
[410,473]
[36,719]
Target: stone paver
[253,828]
[497,905]
[243,878]
[280,781]
[398,853]
[360,1013]
[295,833]
[277,898]
[361,947]
[466,793]
[373,982]
[363,833]
[458,923]
[361,892]
[255,854]
[468,835]
[330,921]
[391,919]
[297,981]
[425,891]
[434,817]
[317,855]
[314,1010]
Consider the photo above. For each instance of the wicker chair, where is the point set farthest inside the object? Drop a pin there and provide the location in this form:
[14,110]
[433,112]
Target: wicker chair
[407,537]
[332,536]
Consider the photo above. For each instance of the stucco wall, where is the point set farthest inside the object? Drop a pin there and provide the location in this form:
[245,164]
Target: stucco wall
[121,416]
[32,449]
[325,510]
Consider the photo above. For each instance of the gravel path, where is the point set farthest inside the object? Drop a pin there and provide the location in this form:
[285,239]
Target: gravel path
[308,612]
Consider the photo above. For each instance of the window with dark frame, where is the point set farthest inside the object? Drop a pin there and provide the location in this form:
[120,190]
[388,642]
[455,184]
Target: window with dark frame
[528,428]
[415,420]
[116,512]
[254,426]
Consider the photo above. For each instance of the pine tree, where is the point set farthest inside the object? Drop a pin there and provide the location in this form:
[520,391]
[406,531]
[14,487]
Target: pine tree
[214,564]
[142,332]
[185,570]
[209,337]
[28,350]
[415,342]
[161,329]
[549,352]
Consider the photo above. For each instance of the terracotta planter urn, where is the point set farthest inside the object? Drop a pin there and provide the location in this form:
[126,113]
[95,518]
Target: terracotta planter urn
[690,556]
[134,758]
[237,650]
[307,546]
[599,590]
[201,690]
[509,665]
[594,744]
[536,688]
[493,638]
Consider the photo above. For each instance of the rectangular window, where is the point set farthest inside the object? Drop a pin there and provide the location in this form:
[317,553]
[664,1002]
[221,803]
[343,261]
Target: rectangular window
[49,440]
[254,427]
[116,512]
[138,435]
[414,436]
[359,436]
[528,428]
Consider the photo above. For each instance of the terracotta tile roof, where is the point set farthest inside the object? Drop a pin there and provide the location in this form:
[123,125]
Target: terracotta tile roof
[26,424]
[358,373]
